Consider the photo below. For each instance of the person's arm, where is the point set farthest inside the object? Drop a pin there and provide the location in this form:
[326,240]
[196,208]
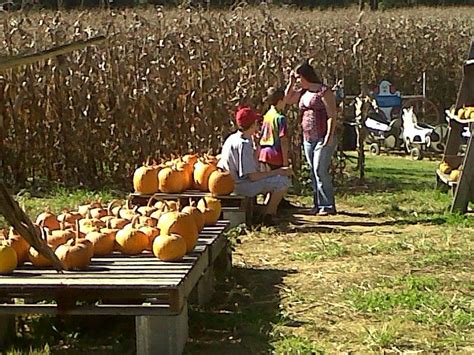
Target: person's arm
[329,101]
[292,96]
[258,175]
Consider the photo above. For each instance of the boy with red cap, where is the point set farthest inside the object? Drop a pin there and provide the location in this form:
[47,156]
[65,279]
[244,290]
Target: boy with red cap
[240,159]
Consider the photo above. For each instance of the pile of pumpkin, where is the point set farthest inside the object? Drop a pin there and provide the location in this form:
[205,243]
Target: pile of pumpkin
[97,230]
[453,172]
[189,172]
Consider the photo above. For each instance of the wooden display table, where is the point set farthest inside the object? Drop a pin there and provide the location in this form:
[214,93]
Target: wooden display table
[153,291]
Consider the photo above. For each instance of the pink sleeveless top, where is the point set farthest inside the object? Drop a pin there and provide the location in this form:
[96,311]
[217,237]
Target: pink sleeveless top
[314,118]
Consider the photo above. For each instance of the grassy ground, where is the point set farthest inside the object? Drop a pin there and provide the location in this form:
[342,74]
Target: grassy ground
[391,272]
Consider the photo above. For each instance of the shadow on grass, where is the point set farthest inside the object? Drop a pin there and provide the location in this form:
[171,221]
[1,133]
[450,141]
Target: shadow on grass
[240,316]
[75,334]
[237,321]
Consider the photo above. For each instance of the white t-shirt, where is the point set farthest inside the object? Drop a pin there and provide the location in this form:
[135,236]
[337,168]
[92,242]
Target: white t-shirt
[238,157]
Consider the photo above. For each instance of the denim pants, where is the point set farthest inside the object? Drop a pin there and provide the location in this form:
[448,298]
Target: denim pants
[319,160]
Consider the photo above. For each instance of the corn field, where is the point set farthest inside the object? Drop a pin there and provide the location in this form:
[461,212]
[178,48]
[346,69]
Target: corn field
[168,81]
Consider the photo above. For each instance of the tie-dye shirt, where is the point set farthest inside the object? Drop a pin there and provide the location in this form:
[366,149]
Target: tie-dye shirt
[274,127]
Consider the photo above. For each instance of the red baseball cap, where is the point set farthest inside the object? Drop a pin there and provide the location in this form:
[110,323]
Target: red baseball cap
[245,116]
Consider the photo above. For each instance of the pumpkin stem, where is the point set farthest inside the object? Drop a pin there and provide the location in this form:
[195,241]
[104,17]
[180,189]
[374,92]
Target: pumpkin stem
[150,200]
[111,205]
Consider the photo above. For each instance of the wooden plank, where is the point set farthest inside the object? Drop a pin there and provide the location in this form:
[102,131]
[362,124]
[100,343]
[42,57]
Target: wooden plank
[465,189]
[186,194]
[99,309]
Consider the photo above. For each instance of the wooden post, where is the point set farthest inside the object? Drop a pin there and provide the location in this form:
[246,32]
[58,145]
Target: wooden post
[7,328]
[164,335]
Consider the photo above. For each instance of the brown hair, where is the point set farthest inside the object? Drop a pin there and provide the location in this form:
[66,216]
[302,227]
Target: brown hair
[307,72]
[274,95]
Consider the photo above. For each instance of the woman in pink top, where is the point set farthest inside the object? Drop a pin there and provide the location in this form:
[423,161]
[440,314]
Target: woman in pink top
[317,105]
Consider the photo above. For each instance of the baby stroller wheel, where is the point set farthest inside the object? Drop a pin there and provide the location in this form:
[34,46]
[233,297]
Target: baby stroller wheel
[416,154]
[374,149]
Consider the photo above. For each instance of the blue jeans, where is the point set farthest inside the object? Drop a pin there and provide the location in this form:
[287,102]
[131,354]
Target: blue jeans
[319,160]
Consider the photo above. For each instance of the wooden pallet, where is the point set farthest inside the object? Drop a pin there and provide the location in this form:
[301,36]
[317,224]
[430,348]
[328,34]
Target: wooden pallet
[153,291]
[232,205]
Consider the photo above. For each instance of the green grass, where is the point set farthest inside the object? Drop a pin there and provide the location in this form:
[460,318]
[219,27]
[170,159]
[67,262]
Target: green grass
[420,297]
[297,345]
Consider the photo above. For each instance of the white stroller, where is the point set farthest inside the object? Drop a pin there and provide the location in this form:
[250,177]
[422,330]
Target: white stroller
[417,136]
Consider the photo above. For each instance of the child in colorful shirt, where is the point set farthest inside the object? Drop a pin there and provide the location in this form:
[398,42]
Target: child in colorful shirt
[273,136]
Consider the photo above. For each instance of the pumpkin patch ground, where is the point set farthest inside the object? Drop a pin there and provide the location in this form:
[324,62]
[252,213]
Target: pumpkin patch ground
[391,272]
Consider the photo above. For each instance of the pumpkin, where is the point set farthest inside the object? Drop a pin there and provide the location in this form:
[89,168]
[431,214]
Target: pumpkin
[98,212]
[110,231]
[90,224]
[454,175]
[20,245]
[113,208]
[59,237]
[187,173]
[182,224]
[151,233]
[48,220]
[76,254]
[128,212]
[445,168]
[167,206]
[35,257]
[197,215]
[8,259]
[102,242]
[169,247]
[191,159]
[221,183]
[171,180]
[84,209]
[145,179]
[149,208]
[115,222]
[211,208]
[69,217]
[201,174]
[131,241]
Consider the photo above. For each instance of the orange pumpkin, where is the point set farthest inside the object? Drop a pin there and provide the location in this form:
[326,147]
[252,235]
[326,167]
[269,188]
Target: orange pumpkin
[201,174]
[191,159]
[169,247]
[59,237]
[102,242]
[182,224]
[20,245]
[84,209]
[197,215]
[76,254]
[221,183]
[131,241]
[151,233]
[211,208]
[69,217]
[145,179]
[8,258]
[90,224]
[171,180]
[48,220]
